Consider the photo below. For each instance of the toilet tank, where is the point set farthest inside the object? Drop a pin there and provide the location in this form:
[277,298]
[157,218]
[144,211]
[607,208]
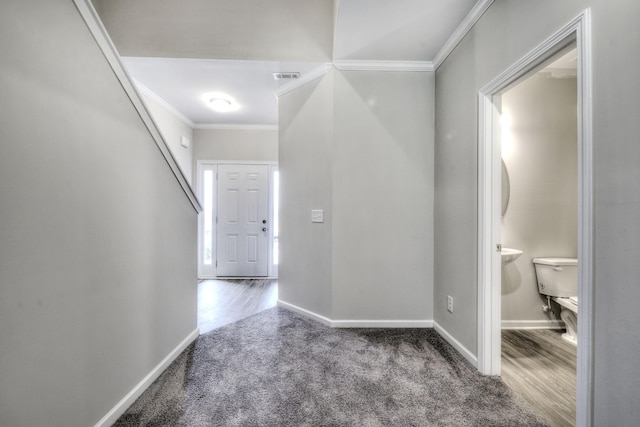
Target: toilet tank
[557,277]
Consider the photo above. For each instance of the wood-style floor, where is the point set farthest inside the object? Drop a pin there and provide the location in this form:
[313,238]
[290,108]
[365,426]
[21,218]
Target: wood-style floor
[540,367]
[221,302]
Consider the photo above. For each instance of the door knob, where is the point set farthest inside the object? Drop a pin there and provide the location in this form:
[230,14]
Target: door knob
[264,228]
[264,221]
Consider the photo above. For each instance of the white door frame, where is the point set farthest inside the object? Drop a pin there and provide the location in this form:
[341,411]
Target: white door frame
[577,31]
[201,166]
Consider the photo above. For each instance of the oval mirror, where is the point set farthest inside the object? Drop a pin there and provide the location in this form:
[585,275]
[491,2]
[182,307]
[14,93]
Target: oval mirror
[506,189]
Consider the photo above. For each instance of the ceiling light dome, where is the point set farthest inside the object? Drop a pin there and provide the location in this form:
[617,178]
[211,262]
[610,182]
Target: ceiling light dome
[220,102]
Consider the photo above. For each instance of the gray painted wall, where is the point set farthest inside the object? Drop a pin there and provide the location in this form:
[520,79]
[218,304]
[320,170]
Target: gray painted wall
[504,34]
[360,146]
[305,165]
[541,154]
[261,31]
[235,144]
[97,238]
[173,129]
[383,195]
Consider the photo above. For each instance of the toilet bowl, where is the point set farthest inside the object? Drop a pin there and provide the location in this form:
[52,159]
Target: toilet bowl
[558,280]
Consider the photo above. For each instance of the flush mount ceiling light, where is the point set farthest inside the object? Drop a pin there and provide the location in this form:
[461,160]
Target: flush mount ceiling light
[220,102]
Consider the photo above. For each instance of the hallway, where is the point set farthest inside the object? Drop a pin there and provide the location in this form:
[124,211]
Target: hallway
[221,302]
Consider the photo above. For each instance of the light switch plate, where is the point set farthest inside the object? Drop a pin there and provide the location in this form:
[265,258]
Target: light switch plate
[317,216]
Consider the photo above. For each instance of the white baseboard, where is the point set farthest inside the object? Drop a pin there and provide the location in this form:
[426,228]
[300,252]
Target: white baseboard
[382,323]
[205,277]
[471,358]
[120,408]
[304,312]
[532,324]
[357,323]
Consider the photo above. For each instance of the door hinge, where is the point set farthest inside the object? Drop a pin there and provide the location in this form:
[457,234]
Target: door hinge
[498,247]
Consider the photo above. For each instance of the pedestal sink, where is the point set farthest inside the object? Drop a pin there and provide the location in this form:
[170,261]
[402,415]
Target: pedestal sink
[509,255]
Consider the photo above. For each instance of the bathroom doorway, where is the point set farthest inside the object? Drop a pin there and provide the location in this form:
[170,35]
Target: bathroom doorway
[576,33]
[539,219]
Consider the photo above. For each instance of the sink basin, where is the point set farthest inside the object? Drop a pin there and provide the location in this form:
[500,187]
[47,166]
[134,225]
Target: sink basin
[509,255]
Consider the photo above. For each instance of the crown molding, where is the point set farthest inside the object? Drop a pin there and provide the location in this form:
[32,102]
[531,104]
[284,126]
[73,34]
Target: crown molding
[465,26]
[216,126]
[164,104]
[304,79]
[363,65]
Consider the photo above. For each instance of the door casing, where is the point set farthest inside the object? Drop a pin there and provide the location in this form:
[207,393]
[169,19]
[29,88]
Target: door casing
[577,31]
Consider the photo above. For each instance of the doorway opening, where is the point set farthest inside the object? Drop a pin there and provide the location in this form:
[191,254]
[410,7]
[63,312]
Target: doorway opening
[539,222]
[238,227]
[577,33]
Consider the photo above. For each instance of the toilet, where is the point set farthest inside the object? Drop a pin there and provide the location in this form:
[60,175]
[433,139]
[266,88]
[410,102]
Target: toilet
[558,280]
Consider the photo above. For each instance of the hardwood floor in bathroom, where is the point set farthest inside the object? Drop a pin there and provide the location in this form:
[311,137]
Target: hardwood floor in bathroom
[221,302]
[540,367]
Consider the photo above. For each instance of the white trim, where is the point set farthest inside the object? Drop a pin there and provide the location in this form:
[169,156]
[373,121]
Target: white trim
[471,358]
[579,31]
[357,323]
[304,79]
[465,26]
[362,65]
[304,312]
[382,323]
[124,404]
[586,226]
[164,104]
[532,324]
[273,268]
[489,297]
[91,19]
[214,126]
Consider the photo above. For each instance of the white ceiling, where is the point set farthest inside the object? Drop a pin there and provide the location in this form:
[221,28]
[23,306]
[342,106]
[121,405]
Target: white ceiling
[170,50]
[182,82]
[399,30]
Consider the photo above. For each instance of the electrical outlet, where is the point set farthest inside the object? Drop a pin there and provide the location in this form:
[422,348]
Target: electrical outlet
[450,303]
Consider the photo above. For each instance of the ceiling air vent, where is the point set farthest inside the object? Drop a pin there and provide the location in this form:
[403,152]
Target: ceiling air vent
[286,76]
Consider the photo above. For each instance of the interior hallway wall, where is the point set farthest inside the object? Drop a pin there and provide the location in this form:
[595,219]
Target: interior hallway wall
[383,195]
[173,130]
[235,144]
[256,30]
[540,152]
[97,238]
[505,33]
[305,165]
[358,145]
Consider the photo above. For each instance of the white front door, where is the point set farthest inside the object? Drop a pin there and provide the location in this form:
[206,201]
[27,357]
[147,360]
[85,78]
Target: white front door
[242,232]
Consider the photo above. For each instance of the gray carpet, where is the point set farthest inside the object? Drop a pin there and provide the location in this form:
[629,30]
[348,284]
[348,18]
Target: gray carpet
[277,368]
